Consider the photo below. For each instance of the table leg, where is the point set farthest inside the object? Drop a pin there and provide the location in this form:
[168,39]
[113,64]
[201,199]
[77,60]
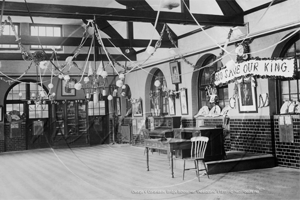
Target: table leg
[172,164]
[147,154]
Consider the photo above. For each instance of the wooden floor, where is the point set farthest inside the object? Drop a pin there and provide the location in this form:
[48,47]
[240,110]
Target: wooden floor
[119,172]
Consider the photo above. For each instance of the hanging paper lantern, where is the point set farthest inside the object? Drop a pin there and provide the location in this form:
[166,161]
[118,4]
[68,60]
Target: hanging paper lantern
[78,86]
[60,76]
[90,30]
[104,74]
[157,83]
[50,85]
[104,92]
[69,59]
[53,94]
[86,79]
[119,83]
[67,77]
[150,50]
[170,4]
[124,87]
[121,76]
[43,64]
[109,97]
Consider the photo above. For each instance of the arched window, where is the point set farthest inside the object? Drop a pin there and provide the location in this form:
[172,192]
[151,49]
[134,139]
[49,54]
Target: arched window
[205,78]
[290,88]
[25,93]
[159,104]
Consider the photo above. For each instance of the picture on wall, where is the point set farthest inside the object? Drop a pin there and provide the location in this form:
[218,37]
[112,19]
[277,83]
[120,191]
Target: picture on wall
[137,108]
[1,113]
[175,72]
[171,106]
[247,96]
[118,106]
[183,101]
[67,88]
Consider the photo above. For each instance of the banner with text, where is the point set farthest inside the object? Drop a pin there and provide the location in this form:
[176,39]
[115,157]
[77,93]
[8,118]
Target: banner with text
[280,68]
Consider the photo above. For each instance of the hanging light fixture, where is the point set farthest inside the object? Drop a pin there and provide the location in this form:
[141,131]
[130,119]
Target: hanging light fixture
[170,4]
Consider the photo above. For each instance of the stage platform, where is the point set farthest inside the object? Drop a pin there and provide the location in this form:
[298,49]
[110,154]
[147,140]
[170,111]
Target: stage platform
[241,161]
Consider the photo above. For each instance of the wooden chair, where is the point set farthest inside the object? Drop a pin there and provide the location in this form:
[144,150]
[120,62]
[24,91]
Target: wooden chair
[198,148]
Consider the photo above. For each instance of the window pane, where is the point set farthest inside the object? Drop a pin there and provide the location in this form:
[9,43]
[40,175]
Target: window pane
[285,87]
[8,108]
[57,31]
[49,31]
[21,109]
[34,31]
[6,30]
[293,84]
[285,97]
[9,96]
[294,97]
[42,31]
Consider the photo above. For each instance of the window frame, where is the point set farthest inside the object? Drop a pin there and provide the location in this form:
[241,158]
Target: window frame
[48,47]
[163,102]
[11,34]
[296,55]
[201,87]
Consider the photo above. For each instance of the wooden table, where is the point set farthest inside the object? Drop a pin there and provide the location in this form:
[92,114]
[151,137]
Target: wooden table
[171,144]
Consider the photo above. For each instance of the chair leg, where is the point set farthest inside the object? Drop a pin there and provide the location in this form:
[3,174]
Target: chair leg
[183,169]
[205,168]
[197,169]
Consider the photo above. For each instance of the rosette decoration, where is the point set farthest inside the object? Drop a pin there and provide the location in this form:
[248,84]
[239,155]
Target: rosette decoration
[242,51]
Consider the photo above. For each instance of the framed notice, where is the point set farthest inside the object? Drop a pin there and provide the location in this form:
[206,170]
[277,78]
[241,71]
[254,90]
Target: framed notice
[137,108]
[1,113]
[175,72]
[118,106]
[247,100]
[171,106]
[184,101]
[67,87]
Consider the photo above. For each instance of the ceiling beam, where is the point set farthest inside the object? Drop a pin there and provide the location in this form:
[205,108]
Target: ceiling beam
[62,57]
[143,5]
[266,5]
[75,41]
[81,12]
[230,7]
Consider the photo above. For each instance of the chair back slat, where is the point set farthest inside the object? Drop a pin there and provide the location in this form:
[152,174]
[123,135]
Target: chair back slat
[198,146]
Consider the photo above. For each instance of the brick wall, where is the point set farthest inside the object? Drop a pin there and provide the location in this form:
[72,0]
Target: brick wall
[15,143]
[288,153]
[251,135]
[2,149]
